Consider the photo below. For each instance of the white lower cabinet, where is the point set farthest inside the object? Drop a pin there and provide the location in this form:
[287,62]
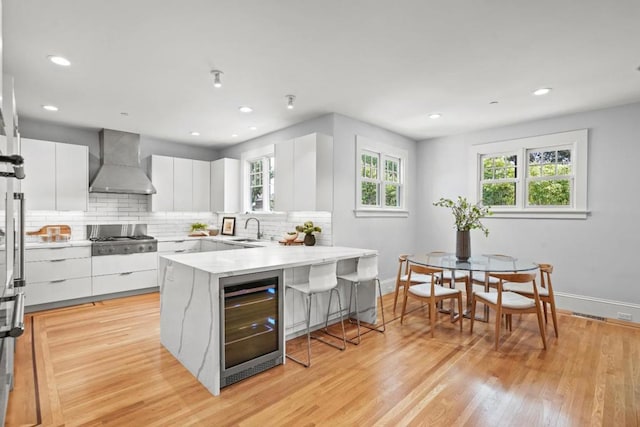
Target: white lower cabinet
[119,273]
[179,246]
[58,290]
[57,274]
[121,282]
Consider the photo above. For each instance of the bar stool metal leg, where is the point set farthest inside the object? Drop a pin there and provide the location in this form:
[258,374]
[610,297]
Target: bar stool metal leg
[308,319]
[354,285]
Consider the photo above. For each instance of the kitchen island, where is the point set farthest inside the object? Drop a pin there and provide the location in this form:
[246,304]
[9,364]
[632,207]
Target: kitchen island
[191,298]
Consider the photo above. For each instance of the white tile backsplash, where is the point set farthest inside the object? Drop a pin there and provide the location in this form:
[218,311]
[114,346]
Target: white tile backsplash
[275,225]
[107,208]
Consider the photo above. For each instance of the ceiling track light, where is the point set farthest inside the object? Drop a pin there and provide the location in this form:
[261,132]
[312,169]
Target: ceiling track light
[217,83]
[290,99]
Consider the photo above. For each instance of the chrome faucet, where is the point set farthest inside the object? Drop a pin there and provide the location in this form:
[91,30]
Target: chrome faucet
[259,235]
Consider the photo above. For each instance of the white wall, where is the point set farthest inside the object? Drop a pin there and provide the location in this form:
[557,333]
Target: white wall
[594,259]
[390,236]
[323,124]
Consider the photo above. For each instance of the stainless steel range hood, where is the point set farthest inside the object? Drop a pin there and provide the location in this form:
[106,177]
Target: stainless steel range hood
[120,171]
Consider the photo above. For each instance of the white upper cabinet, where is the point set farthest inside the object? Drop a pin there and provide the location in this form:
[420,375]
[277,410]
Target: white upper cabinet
[182,185]
[201,185]
[304,174]
[162,179]
[225,185]
[72,177]
[57,175]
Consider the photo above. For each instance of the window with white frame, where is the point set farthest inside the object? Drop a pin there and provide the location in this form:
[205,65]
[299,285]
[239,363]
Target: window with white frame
[543,176]
[380,185]
[258,178]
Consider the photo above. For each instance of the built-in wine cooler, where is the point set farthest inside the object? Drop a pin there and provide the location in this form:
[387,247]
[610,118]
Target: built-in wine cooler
[251,323]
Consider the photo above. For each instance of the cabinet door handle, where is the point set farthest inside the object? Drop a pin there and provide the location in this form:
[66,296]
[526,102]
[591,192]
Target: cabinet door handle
[127,273]
[59,281]
[179,250]
[56,260]
[179,241]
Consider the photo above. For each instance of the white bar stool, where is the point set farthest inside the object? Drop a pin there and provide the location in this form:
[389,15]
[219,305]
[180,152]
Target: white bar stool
[322,278]
[367,271]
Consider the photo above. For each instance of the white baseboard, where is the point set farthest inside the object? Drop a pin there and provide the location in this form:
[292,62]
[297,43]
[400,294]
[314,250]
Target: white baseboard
[597,306]
[388,286]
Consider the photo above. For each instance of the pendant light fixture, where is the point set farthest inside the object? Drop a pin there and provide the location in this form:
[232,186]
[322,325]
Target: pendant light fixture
[216,78]
[290,99]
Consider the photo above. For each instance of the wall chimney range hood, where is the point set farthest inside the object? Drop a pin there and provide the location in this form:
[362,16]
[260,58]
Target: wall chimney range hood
[120,170]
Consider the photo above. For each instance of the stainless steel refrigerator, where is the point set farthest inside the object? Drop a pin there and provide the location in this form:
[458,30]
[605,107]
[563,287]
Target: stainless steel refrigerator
[11,240]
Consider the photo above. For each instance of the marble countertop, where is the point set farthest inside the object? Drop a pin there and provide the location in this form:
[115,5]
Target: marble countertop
[45,245]
[251,260]
[225,239]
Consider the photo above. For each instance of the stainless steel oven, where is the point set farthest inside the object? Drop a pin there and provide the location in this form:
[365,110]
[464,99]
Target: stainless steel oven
[251,324]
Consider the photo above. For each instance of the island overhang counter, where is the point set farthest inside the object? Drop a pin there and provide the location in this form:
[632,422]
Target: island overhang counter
[190,298]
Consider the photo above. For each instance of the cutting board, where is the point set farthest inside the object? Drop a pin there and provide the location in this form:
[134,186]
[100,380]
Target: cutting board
[44,231]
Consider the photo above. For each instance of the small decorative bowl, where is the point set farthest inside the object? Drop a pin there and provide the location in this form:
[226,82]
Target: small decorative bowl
[290,237]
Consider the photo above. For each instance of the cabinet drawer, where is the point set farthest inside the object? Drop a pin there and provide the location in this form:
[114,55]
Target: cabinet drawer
[47,254]
[114,264]
[61,290]
[46,271]
[112,283]
[179,246]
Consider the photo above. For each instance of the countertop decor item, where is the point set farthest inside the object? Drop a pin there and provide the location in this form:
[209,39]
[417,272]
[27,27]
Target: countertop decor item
[467,217]
[198,229]
[198,226]
[228,226]
[308,229]
[290,236]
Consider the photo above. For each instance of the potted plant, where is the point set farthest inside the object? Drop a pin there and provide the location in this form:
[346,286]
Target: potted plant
[199,229]
[467,217]
[308,229]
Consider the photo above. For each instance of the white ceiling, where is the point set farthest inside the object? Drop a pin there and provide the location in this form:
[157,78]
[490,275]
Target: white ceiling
[389,63]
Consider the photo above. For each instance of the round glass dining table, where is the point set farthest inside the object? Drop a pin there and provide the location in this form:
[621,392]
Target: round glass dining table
[481,264]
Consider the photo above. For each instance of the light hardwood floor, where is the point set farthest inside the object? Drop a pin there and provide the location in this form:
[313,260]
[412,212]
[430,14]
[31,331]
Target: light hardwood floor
[103,364]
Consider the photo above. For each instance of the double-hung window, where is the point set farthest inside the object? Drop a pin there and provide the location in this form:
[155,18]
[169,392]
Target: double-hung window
[259,187]
[543,176]
[380,183]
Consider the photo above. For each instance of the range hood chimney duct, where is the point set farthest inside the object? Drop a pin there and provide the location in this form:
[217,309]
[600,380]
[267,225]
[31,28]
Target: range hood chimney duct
[120,170]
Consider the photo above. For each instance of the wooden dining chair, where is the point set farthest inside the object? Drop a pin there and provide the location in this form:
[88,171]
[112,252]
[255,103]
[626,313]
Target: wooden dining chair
[508,303]
[403,276]
[431,293]
[545,292]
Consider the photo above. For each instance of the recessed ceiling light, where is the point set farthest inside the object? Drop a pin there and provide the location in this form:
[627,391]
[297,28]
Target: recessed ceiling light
[245,109]
[194,133]
[542,91]
[252,128]
[50,107]
[59,60]
[435,115]
[234,135]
